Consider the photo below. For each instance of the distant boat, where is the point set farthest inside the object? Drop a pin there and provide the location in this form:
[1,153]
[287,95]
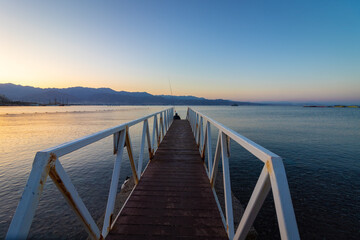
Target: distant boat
[234,105]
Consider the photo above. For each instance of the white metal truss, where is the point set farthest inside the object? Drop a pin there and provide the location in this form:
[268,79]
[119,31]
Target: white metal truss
[47,163]
[273,177]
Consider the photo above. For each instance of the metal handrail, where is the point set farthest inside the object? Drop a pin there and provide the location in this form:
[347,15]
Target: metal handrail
[272,176]
[46,163]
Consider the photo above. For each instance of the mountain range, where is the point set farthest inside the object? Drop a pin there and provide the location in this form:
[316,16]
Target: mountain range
[96,96]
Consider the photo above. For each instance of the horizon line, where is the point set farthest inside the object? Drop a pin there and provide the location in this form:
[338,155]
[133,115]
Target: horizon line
[279,101]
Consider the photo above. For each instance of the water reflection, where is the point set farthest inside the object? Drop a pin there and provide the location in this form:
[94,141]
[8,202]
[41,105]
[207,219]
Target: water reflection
[320,148]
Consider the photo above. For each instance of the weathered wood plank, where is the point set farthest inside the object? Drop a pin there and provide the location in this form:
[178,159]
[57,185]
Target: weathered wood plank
[173,198]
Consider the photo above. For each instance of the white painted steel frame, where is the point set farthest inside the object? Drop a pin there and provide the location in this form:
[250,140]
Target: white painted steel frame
[46,163]
[68,190]
[114,184]
[273,177]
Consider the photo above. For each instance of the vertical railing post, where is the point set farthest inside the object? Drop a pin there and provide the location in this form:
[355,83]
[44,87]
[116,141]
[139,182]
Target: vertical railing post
[199,131]
[209,148]
[216,161]
[172,115]
[170,118]
[168,121]
[119,148]
[149,144]
[131,156]
[162,126]
[25,211]
[158,132]
[141,155]
[227,187]
[200,137]
[197,127]
[282,199]
[154,138]
[194,123]
[165,122]
[191,119]
[203,145]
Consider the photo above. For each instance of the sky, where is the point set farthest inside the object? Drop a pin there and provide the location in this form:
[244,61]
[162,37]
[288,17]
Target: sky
[246,50]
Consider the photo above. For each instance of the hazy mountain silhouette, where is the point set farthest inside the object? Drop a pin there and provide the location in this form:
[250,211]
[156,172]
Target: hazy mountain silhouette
[4,99]
[83,95]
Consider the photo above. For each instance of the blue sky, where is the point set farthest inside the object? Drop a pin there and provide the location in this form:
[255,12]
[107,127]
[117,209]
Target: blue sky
[240,50]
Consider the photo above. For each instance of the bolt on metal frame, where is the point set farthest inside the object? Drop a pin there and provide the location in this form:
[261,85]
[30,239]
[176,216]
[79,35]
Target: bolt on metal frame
[272,176]
[46,163]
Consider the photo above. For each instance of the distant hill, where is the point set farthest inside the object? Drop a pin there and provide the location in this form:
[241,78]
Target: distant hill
[4,101]
[83,95]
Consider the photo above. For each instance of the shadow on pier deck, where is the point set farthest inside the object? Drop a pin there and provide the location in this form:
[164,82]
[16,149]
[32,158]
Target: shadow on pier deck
[173,198]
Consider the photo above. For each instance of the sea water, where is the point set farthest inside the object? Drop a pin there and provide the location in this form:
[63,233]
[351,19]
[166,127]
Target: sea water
[320,148]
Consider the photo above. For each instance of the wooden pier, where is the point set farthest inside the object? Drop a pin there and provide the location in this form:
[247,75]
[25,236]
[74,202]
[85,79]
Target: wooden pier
[174,198]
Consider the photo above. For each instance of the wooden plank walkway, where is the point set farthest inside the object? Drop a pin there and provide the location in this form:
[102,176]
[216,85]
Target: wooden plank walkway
[173,198]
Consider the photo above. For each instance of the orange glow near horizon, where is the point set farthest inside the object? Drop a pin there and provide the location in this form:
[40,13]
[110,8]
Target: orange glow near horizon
[244,94]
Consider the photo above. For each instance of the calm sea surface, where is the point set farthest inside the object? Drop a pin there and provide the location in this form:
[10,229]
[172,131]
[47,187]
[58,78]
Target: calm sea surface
[320,148]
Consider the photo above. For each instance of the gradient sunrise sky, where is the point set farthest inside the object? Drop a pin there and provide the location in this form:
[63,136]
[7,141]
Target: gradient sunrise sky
[240,50]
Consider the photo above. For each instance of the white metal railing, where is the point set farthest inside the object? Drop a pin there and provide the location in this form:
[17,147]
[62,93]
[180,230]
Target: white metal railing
[46,163]
[272,176]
